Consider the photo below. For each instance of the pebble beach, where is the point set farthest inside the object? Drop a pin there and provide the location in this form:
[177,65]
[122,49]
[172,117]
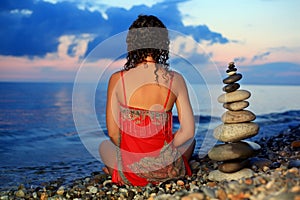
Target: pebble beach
[276,176]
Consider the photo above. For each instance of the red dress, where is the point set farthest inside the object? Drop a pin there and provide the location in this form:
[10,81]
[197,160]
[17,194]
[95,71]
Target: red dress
[145,152]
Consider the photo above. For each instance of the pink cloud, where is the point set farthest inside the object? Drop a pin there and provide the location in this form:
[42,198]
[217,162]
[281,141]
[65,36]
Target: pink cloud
[50,68]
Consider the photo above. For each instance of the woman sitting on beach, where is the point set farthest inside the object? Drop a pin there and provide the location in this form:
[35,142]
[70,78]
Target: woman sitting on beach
[142,148]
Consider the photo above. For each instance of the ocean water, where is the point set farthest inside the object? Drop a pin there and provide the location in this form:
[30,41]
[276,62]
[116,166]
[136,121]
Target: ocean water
[39,141]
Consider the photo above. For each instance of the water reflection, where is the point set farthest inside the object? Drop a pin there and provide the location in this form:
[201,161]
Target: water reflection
[86,119]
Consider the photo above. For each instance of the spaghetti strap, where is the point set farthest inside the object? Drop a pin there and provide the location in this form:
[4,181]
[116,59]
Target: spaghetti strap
[123,85]
[169,91]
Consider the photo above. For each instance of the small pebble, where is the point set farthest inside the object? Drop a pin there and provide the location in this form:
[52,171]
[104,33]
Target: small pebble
[44,196]
[248,181]
[197,196]
[265,168]
[295,189]
[294,163]
[295,144]
[209,192]
[61,190]
[92,189]
[221,194]
[294,170]
[180,183]
[20,193]
[34,195]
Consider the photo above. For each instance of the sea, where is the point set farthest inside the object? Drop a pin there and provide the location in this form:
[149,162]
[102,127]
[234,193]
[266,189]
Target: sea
[51,131]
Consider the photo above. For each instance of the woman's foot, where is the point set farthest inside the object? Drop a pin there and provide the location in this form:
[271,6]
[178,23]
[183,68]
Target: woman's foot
[105,170]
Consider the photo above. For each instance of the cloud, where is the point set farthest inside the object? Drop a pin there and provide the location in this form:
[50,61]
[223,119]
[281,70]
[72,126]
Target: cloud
[120,19]
[59,66]
[239,59]
[38,33]
[33,28]
[261,56]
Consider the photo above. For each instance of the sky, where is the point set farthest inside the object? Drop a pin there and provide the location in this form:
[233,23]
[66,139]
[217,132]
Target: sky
[50,40]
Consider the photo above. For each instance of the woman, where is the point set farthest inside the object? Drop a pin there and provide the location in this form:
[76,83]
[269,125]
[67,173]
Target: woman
[142,148]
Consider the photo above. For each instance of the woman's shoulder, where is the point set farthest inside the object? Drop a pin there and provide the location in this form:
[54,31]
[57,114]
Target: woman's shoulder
[179,84]
[115,77]
[177,77]
[117,74]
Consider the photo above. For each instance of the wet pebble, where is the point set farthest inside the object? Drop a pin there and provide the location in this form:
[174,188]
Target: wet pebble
[92,189]
[20,193]
[60,190]
[194,196]
[260,162]
[275,165]
[221,194]
[294,163]
[209,192]
[295,144]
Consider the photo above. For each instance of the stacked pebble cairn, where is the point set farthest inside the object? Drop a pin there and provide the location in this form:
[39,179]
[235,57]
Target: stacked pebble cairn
[234,153]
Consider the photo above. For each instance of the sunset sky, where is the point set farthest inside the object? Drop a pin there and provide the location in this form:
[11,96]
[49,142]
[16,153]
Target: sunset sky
[48,40]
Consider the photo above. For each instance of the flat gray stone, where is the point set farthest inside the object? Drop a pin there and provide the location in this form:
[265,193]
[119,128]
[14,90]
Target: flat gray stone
[235,106]
[233,166]
[238,95]
[238,116]
[235,132]
[232,151]
[233,78]
[217,175]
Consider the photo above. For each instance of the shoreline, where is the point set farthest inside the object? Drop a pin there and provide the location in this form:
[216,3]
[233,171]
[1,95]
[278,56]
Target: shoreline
[276,176]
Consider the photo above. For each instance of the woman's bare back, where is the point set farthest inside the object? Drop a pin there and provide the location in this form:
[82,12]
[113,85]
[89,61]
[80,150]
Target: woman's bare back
[143,91]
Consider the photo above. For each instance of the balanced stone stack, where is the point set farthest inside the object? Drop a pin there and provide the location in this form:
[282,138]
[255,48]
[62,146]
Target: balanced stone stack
[234,153]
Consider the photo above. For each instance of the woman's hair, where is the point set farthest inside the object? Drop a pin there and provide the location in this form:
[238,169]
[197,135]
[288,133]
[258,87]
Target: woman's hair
[147,36]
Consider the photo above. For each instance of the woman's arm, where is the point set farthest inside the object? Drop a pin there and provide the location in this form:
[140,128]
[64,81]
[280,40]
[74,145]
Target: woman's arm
[185,113]
[112,109]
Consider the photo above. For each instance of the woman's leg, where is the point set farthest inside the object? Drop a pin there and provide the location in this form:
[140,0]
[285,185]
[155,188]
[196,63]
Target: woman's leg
[107,151]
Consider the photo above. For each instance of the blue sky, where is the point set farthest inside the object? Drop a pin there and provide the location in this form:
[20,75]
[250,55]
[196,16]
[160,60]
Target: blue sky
[47,40]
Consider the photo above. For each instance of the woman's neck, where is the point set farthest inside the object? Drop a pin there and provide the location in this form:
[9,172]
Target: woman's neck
[148,59]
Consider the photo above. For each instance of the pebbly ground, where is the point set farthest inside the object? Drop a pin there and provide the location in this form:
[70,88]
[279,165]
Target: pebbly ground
[276,167]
